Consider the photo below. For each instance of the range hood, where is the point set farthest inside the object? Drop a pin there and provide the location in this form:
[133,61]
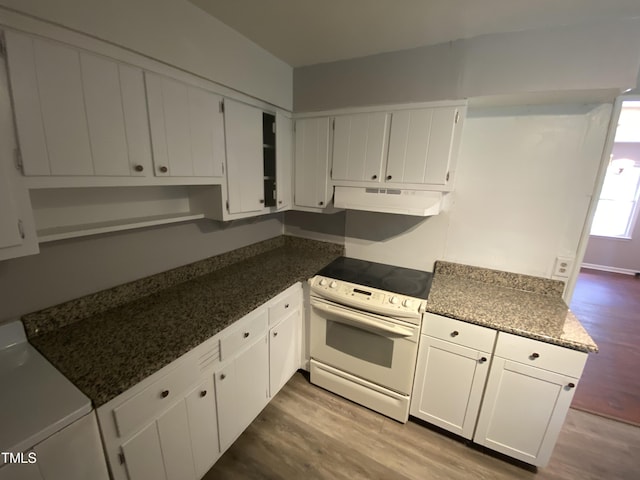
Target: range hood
[389,200]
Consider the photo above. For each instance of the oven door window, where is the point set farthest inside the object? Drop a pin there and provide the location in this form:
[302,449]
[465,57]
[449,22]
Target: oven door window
[362,344]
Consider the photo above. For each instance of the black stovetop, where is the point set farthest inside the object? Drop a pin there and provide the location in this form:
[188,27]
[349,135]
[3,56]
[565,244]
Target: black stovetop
[404,281]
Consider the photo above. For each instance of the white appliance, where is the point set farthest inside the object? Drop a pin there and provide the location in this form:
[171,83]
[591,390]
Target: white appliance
[48,427]
[419,203]
[364,340]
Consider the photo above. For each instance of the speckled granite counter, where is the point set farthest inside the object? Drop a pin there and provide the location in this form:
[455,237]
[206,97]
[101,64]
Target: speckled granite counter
[110,351]
[520,304]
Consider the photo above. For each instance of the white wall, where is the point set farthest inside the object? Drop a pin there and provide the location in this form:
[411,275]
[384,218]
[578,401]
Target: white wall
[316,226]
[69,269]
[175,32]
[523,186]
[602,55]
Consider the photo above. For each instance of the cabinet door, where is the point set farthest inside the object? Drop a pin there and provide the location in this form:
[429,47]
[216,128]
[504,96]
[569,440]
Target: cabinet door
[312,162]
[243,132]
[421,145]
[46,82]
[186,129]
[241,391]
[284,161]
[523,410]
[143,455]
[359,146]
[203,425]
[284,351]
[448,385]
[17,230]
[175,442]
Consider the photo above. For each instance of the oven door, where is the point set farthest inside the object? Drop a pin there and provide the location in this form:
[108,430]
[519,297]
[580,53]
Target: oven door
[379,349]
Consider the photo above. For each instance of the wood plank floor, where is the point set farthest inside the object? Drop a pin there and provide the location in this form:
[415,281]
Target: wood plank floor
[308,433]
[608,305]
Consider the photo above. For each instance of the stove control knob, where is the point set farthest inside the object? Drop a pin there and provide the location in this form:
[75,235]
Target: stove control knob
[333,284]
[408,303]
[394,300]
[322,282]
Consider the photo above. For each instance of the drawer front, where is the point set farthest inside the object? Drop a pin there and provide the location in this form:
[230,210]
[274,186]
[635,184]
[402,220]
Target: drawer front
[540,354]
[155,398]
[290,300]
[244,333]
[459,332]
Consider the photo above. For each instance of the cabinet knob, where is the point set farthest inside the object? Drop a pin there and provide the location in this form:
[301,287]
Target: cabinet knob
[286,305]
[571,385]
[455,333]
[482,359]
[534,355]
[245,334]
[320,203]
[163,169]
[164,393]
[280,202]
[222,376]
[138,168]
[275,334]
[261,200]
[203,393]
[373,177]
[389,177]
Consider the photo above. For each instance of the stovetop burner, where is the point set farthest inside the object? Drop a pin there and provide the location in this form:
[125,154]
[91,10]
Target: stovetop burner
[404,281]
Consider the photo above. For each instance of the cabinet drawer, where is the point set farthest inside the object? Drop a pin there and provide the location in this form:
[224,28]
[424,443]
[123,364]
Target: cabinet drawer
[540,354]
[290,300]
[155,398]
[244,332]
[461,333]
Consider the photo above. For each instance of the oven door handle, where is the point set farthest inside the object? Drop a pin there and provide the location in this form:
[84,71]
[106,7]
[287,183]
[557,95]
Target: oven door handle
[362,319]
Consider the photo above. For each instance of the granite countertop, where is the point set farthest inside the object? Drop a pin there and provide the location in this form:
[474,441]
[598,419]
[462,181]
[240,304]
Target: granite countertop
[110,351]
[520,304]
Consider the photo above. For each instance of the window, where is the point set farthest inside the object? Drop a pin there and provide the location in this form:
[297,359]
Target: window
[617,208]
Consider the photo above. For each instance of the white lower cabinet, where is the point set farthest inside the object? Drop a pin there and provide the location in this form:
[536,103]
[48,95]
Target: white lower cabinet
[242,387]
[448,386]
[176,423]
[525,405]
[529,387]
[284,351]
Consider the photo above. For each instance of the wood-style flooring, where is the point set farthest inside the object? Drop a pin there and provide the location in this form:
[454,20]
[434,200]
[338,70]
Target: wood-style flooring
[608,305]
[308,433]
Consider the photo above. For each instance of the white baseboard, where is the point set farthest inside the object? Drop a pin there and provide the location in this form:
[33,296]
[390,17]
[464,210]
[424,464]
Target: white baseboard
[605,268]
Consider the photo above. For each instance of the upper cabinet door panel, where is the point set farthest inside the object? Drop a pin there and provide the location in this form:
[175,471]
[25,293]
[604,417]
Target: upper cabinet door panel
[46,81]
[136,119]
[360,146]
[420,145]
[243,130]
[187,130]
[26,101]
[284,161]
[63,109]
[105,115]
[206,124]
[312,162]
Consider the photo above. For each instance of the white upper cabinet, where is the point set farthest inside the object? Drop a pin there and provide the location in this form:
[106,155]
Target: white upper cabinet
[412,148]
[17,229]
[187,130]
[77,114]
[422,145]
[284,161]
[243,130]
[360,146]
[312,189]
